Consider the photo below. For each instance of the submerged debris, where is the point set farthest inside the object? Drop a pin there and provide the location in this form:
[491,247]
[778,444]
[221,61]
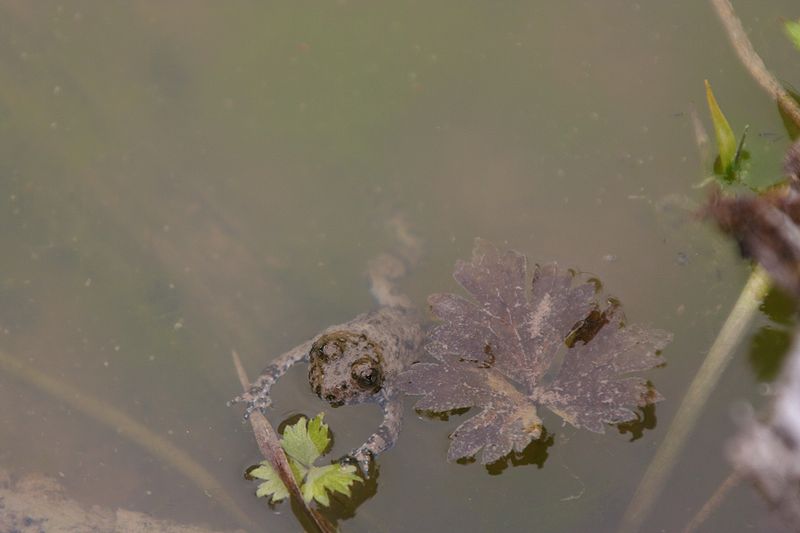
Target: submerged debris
[39,503]
[513,348]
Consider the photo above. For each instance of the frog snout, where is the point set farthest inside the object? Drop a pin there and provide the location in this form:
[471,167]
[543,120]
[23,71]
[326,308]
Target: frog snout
[335,396]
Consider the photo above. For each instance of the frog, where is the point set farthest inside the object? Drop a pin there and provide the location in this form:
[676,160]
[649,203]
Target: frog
[359,361]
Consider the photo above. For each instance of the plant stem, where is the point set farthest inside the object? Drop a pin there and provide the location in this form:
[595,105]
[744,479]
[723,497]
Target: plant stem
[270,446]
[720,354]
[713,502]
[752,61]
[732,331]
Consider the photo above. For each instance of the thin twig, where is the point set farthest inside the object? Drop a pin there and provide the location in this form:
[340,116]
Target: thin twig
[269,444]
[129,428]
[719,355]
[753,62]
[713,502]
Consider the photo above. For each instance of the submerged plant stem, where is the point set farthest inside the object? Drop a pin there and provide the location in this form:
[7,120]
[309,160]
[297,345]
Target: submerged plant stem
[129,428]
[720,354]
[713,503]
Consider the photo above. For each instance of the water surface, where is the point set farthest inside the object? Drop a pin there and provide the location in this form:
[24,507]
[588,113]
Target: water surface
[179,180]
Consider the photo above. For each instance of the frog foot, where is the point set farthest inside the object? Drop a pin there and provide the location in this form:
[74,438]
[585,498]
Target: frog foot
[254,400]
[360,457]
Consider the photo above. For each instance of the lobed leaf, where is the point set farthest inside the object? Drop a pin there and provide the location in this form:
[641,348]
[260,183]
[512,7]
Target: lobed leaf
[507,422]
[495,351]
[503,327]
[594,386]
[333,478]
[304,442]
[318,433]
[272,485]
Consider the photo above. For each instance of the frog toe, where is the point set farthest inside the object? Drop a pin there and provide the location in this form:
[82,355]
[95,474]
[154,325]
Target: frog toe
[363,459]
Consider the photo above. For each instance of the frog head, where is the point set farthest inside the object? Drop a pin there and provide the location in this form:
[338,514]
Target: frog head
[345,367]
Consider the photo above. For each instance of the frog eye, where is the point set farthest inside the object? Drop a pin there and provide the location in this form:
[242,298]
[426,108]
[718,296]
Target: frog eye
[367,375]
[326,348]
[331,350]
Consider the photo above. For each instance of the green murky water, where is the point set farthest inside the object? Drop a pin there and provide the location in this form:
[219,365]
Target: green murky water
[179,180]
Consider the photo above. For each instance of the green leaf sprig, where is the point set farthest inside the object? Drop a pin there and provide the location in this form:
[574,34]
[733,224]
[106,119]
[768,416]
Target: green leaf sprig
[792,28]
[304,442]
[730,167]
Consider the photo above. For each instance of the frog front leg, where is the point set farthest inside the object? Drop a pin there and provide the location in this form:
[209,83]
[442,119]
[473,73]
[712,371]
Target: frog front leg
[386,435]
[257,397]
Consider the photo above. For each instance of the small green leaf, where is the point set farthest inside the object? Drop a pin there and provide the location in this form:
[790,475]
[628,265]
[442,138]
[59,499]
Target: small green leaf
[793,31]
[318,433]
[726,140]
[304,442]
[298,471]
[272,485]
[334,478]
[298,444]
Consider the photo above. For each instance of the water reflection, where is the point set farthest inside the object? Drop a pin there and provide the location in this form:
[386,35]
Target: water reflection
[645,420]
[768,349]
[770,344]
[534,453]
[167,196]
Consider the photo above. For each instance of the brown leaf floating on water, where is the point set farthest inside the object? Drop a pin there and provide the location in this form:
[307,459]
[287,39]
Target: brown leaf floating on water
[501,352]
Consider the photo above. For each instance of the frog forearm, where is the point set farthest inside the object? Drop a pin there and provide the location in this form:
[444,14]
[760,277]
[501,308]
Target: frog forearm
[257,397]
[386,435]
[281,365]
